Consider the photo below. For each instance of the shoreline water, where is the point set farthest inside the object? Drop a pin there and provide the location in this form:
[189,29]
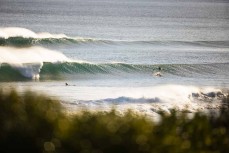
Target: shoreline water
[163,59]
[102,75]
[40,124]
[144,100]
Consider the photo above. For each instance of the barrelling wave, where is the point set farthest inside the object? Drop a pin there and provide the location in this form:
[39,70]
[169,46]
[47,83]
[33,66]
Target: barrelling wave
[59,70]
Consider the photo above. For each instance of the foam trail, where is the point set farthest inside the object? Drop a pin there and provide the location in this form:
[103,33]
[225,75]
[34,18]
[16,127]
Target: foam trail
[16,36]
[143,99]
[15,32]
[30,60]
[25,33]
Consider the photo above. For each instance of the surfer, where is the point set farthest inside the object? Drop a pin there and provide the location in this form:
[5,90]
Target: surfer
[219,94]
[158,73]
[66,84]
[159,68]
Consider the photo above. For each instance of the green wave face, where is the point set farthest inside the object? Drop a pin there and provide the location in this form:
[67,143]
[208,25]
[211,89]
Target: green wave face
[7,73]
[182,70]
[19,41]
[129,68]
[62,70]
[27,42]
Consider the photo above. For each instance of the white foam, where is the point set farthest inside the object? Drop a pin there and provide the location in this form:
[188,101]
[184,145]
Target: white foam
[15,31]
[48,35]
[31,70]
[26,33]
[30,60]
[30,55]
[146,100]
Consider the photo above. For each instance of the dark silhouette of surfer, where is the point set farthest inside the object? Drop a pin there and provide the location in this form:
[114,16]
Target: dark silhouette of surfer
[158,73]
[159,68]
[69,85]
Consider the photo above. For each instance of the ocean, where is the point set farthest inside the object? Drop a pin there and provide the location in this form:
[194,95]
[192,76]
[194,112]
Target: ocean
[144,55]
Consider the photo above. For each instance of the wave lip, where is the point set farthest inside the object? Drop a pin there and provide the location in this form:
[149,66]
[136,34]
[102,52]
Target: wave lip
[26,33]
[27,42]
[16,32]
[54,39]
[21,37]
[61,68]
[27,61]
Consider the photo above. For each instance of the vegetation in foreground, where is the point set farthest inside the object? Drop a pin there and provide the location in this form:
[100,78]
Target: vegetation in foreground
[36,124]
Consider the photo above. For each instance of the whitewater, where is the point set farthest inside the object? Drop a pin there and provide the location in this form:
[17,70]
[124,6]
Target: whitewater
[148,56]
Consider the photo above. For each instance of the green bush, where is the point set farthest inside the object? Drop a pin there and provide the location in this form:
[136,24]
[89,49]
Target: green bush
[27,122]
[36,124]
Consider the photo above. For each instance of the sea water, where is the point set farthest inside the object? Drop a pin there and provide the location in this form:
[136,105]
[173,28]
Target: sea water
[110,52]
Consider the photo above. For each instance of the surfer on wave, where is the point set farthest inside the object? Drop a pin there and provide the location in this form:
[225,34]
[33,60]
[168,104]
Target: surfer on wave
[158,74]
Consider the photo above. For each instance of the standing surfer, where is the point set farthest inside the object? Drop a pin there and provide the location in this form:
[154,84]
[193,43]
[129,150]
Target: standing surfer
[159,72]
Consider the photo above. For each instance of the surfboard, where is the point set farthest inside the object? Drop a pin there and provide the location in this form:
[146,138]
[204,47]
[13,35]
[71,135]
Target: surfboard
[158,74]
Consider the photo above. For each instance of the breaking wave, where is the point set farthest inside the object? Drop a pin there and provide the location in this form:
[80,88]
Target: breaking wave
[17,63]
[130,100]
[31,62]
[19,41]
[150,100]
[25,42]
[109,68]
[48,70]
[21,37]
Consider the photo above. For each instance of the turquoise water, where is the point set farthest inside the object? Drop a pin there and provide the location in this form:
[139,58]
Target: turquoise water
[110,52]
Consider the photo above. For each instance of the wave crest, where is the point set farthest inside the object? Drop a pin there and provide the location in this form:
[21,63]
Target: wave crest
[14,36]
[26,33]
[49,70]
[27,61]
[21,37]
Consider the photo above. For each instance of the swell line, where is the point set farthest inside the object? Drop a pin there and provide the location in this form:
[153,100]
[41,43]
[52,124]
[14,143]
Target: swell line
[21,37]
[62,70]
[18,41]
[27,42]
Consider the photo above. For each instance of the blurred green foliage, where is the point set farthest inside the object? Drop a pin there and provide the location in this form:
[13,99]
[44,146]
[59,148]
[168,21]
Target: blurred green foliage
[37,124]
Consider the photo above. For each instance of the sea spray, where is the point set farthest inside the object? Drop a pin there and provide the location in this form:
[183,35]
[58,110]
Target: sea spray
[145,100]
[26,33]
[21,37]
[29,70]
[29,61]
